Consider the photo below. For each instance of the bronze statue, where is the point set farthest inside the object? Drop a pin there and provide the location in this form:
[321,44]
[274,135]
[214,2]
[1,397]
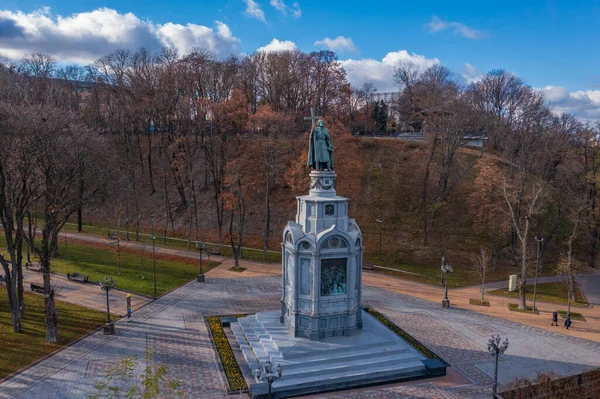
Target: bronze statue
[320,148]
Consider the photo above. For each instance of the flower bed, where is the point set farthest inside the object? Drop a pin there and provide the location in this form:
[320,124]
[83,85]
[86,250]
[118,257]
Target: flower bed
[235,379]
[405,336]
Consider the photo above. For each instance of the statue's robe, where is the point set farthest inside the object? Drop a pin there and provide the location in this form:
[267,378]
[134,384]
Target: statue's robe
[320,148]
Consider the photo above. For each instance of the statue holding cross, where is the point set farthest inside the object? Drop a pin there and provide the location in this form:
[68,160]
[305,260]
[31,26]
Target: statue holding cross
[320,147]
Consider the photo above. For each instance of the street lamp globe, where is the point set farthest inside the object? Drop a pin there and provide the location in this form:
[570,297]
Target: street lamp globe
[497,347]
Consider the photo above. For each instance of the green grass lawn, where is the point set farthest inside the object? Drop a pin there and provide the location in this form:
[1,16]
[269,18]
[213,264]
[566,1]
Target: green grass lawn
[462,276]
[574,315]
[97,263]
[514,307]
[422,273]
[248,253]
[19,350]
[546,292]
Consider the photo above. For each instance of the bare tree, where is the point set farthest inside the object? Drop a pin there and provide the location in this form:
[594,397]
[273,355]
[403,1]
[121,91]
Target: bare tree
[481,264]
[521,219]
[61,142]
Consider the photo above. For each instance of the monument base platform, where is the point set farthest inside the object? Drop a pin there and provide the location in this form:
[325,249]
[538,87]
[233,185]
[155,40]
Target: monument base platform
[374,356]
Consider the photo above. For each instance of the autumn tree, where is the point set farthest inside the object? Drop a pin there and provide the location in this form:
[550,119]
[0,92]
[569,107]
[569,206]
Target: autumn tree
[487,204]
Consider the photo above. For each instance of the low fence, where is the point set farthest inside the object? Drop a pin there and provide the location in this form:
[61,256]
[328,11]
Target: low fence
[581,386]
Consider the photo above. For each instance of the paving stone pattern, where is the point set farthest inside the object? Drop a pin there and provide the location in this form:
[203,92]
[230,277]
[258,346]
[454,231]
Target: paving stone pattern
[174,327]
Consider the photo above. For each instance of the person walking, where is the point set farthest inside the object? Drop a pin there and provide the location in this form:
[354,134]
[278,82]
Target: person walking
[555,318]
[568,322]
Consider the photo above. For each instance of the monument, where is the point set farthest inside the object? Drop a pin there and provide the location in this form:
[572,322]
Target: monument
[321,336]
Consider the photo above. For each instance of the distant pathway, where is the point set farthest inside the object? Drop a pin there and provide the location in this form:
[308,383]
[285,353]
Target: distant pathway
[88,295]
[184,253]
[590,284]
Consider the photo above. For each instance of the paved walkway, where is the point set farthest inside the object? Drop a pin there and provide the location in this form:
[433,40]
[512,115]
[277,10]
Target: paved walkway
[184,253]
[87,294]
[459,297]
[173,326]
[590,284]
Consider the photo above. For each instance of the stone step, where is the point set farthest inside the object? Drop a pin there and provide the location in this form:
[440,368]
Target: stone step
[351,366]
[244,346]
[337,352]
[260,340]
[374,372]
[357,355]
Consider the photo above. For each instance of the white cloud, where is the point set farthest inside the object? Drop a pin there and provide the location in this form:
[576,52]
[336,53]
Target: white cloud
[584,104]
[471,74]
[381,73]
[253,10]
[437,25]
[276,46]
[283,8]
[339,44]
[86,36]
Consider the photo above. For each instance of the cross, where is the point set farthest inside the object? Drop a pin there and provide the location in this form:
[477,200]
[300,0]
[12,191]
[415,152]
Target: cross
[312,117]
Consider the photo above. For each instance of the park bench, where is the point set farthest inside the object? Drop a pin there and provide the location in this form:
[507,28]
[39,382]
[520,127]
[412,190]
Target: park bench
[367,265]
[33,266]
[113,236]
[214,250]
[76,276]
[37,288]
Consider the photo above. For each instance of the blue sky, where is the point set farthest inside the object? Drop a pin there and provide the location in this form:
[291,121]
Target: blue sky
[550,44]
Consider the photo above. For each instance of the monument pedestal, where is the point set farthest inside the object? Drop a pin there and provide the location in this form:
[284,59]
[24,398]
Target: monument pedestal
[321,336]
[376,355]
[322,258]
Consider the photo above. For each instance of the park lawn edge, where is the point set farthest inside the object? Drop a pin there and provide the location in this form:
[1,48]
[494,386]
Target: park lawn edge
[514,307]
[59,349]
[503,292]
[416,344]
[235,379]
[574,315]
[478,302]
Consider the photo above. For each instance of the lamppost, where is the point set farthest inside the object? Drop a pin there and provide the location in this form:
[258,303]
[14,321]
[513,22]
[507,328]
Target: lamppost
[107,285]
[537,266]
[267,375]
[65,246]
[199,247]
[153,256]
[497,348]
[380,222]
[446,268]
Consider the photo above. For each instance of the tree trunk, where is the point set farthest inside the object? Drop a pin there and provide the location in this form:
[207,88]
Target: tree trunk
[127,217]
[12,297]
[53,250]
[494,246]
[424,194]
[51,315]
[80,207]
[236,256]
[523,282]
[267,216]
